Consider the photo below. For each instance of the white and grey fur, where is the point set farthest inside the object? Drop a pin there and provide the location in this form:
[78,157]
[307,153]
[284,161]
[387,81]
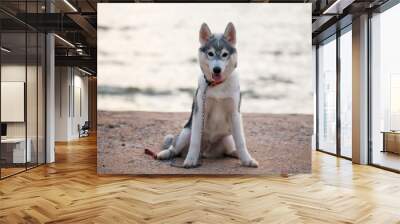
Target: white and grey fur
[215,127]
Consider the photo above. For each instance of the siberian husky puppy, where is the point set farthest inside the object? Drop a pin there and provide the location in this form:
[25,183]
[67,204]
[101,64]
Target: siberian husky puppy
[215,127]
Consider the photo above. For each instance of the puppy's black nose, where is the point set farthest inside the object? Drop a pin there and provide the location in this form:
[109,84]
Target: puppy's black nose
[216,70]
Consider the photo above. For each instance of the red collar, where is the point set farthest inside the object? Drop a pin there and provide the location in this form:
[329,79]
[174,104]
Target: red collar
[214,83]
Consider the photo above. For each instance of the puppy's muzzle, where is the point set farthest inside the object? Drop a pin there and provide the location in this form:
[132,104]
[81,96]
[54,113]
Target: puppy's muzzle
[217,76]
[217,70]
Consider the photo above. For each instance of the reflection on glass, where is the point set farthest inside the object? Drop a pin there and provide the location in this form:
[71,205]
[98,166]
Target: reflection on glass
[386,89]
[22,90]
[327,96]
[14,153]
[31,100]
[346,94]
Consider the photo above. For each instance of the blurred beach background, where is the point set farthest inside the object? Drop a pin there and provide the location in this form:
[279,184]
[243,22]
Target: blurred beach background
[148,55]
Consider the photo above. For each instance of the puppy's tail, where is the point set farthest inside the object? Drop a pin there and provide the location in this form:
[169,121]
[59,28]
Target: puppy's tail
[168,141]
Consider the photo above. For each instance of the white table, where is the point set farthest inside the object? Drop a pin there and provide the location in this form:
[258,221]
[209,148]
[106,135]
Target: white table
[18,144]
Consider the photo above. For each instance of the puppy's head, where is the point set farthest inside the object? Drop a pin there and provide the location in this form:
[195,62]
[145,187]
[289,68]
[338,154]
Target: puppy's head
[217,53]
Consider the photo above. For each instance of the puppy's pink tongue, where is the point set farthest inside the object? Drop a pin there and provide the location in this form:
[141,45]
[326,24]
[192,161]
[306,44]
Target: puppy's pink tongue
[217,78]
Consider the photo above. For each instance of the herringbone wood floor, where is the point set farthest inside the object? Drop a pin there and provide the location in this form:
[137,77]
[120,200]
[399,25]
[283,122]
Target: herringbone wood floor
[70,191]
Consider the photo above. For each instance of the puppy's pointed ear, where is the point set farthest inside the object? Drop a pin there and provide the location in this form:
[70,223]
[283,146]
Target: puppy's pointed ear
[230,33]
[205,33]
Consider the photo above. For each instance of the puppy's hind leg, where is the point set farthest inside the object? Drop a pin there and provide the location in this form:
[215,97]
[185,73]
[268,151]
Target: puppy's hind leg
[168,141]
[229,145]
[174,149]
[167,147]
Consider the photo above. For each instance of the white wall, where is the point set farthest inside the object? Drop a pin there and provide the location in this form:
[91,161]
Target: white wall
[70,84]
[62,82]
[14,73]
[79,110]
[33,126]
[81,82]
[17,73]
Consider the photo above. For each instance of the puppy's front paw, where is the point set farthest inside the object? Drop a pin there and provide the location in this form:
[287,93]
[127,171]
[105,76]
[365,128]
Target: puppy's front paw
[190,162]
[249,163]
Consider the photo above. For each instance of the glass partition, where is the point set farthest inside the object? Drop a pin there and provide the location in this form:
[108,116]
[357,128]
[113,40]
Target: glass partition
[32,95]
[32,104]
[346,93]
[13,94]
[385,89]
[327,96]
[22,77]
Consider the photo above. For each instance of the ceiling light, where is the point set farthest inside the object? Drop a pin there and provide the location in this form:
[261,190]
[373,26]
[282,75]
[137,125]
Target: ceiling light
[65,41]
[70,5]
[337,7]
[79,51]
[84,71]
[5,50]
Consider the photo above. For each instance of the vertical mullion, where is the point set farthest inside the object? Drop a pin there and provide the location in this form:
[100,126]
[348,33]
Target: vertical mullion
[369,91]
[73,93]
[317,96]
[69,92]
[45,88]
[338,81]
[45,94]
[37,89]
[0,95]
[60,88]
[26,86]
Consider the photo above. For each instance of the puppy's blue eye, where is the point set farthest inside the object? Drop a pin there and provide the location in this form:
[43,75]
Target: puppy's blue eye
[211,54]
[224,54]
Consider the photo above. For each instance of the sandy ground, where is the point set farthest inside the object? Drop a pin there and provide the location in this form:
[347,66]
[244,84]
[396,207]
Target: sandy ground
[281,143]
